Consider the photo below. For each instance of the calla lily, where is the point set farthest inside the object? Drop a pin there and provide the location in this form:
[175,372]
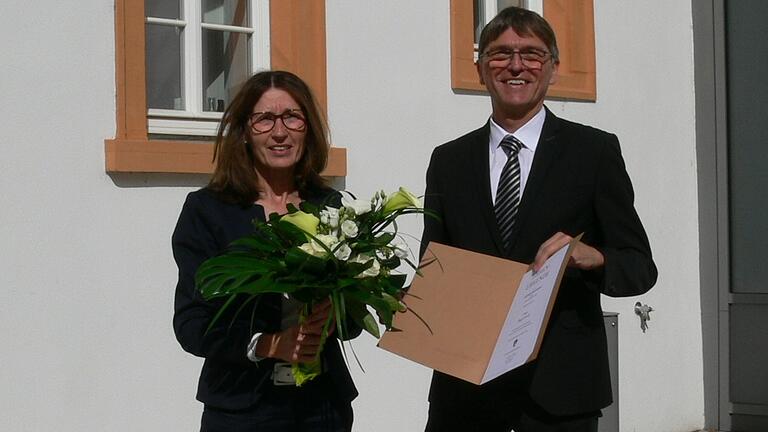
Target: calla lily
[306,221]
[357,206]
[400,200]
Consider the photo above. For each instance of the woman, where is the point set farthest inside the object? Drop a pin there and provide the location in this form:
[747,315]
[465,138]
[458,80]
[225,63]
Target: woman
[271,147]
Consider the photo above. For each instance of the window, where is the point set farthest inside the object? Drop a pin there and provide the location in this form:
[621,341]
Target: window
[296,43]
[485,10]
[197,53]
[573,22]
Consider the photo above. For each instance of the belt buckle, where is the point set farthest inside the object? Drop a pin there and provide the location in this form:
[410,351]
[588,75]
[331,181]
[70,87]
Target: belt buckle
[282,375]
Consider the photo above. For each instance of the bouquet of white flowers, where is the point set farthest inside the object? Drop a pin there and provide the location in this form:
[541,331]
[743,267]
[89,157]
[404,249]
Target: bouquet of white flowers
[348,254]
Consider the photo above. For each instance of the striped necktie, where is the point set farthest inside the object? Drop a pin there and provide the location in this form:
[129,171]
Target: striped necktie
[508,192]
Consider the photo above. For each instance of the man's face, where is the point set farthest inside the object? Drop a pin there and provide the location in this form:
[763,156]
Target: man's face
[517,87]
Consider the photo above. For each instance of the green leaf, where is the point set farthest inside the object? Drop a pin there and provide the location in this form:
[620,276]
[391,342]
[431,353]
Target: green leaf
[392,284]
[355,268]
[344,283]
[289,233]
[411,264]
[241,308]
[259,243]
[229,263]
[268,285]
[340,314]
[229,259]
[308,207]
[215,286]
[381,306]
[391,263]
[394,304]
[398,280]
[220,312]
[370,325]
[384,239]
[299,260]
[364,319]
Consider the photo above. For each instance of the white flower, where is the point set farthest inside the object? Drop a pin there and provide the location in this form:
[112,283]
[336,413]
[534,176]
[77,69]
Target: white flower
[330,216]
[327,239]
[400,248]
[349,228]
[315,249]
[357,206]
[371,271]
[343,252]
[307,247]
[384,253]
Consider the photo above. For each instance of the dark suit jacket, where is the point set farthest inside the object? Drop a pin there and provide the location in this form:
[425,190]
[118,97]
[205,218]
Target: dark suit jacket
[229,380]
[578,183]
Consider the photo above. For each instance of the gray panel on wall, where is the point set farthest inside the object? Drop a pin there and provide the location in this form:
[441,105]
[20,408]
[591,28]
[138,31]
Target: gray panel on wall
[609,422]
[749,423]
[747,68]
[749,353]
[747,89]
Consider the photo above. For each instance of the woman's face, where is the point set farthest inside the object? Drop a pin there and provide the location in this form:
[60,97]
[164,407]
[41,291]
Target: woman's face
[277,128]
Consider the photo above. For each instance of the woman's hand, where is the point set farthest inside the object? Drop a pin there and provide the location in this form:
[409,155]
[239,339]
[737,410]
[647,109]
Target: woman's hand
[300,343]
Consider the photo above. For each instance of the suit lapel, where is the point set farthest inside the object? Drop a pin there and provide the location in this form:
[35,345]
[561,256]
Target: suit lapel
[547,150]
[480,175]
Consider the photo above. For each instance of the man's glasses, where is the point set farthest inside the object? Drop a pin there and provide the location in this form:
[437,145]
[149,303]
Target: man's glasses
[530,57]
[262,122]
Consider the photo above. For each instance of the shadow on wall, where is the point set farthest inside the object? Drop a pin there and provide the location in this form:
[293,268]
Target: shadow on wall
[138,180]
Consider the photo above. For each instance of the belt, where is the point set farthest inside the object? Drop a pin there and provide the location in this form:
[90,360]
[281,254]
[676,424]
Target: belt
[282,375]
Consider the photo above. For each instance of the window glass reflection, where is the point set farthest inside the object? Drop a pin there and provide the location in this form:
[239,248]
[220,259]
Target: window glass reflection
[225,66]
[164,67]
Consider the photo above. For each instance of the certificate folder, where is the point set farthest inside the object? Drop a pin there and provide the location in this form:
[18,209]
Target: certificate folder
[475,316]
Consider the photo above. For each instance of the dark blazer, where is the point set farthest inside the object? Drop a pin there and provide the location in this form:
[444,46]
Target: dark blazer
[228,379]
[577,184]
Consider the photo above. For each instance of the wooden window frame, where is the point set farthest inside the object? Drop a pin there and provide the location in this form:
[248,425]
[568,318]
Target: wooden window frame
[196,116]
[297,44]
[574,25]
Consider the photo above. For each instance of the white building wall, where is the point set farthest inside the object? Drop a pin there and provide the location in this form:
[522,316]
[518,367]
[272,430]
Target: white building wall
[391,104]
[88,278]
[646,95]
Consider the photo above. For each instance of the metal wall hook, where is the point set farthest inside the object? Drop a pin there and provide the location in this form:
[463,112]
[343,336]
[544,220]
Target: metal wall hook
[644,312]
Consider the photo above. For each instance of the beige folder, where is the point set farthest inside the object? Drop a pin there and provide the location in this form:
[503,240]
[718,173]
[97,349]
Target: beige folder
[465,318]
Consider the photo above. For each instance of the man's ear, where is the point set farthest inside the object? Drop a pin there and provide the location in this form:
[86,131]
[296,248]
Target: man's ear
[479,72]
[555,68]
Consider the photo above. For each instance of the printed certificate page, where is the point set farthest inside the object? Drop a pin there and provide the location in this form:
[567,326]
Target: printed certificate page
[522,327]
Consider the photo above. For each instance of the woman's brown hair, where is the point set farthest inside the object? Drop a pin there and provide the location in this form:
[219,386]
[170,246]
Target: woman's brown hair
[234,177]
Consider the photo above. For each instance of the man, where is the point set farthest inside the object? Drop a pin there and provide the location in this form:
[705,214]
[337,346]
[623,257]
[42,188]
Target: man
[523,198]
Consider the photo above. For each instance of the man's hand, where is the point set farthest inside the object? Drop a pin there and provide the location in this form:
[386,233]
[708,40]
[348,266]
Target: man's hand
[584,257]
[300,343]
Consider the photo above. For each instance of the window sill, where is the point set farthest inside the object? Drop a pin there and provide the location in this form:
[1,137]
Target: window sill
[183,157]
